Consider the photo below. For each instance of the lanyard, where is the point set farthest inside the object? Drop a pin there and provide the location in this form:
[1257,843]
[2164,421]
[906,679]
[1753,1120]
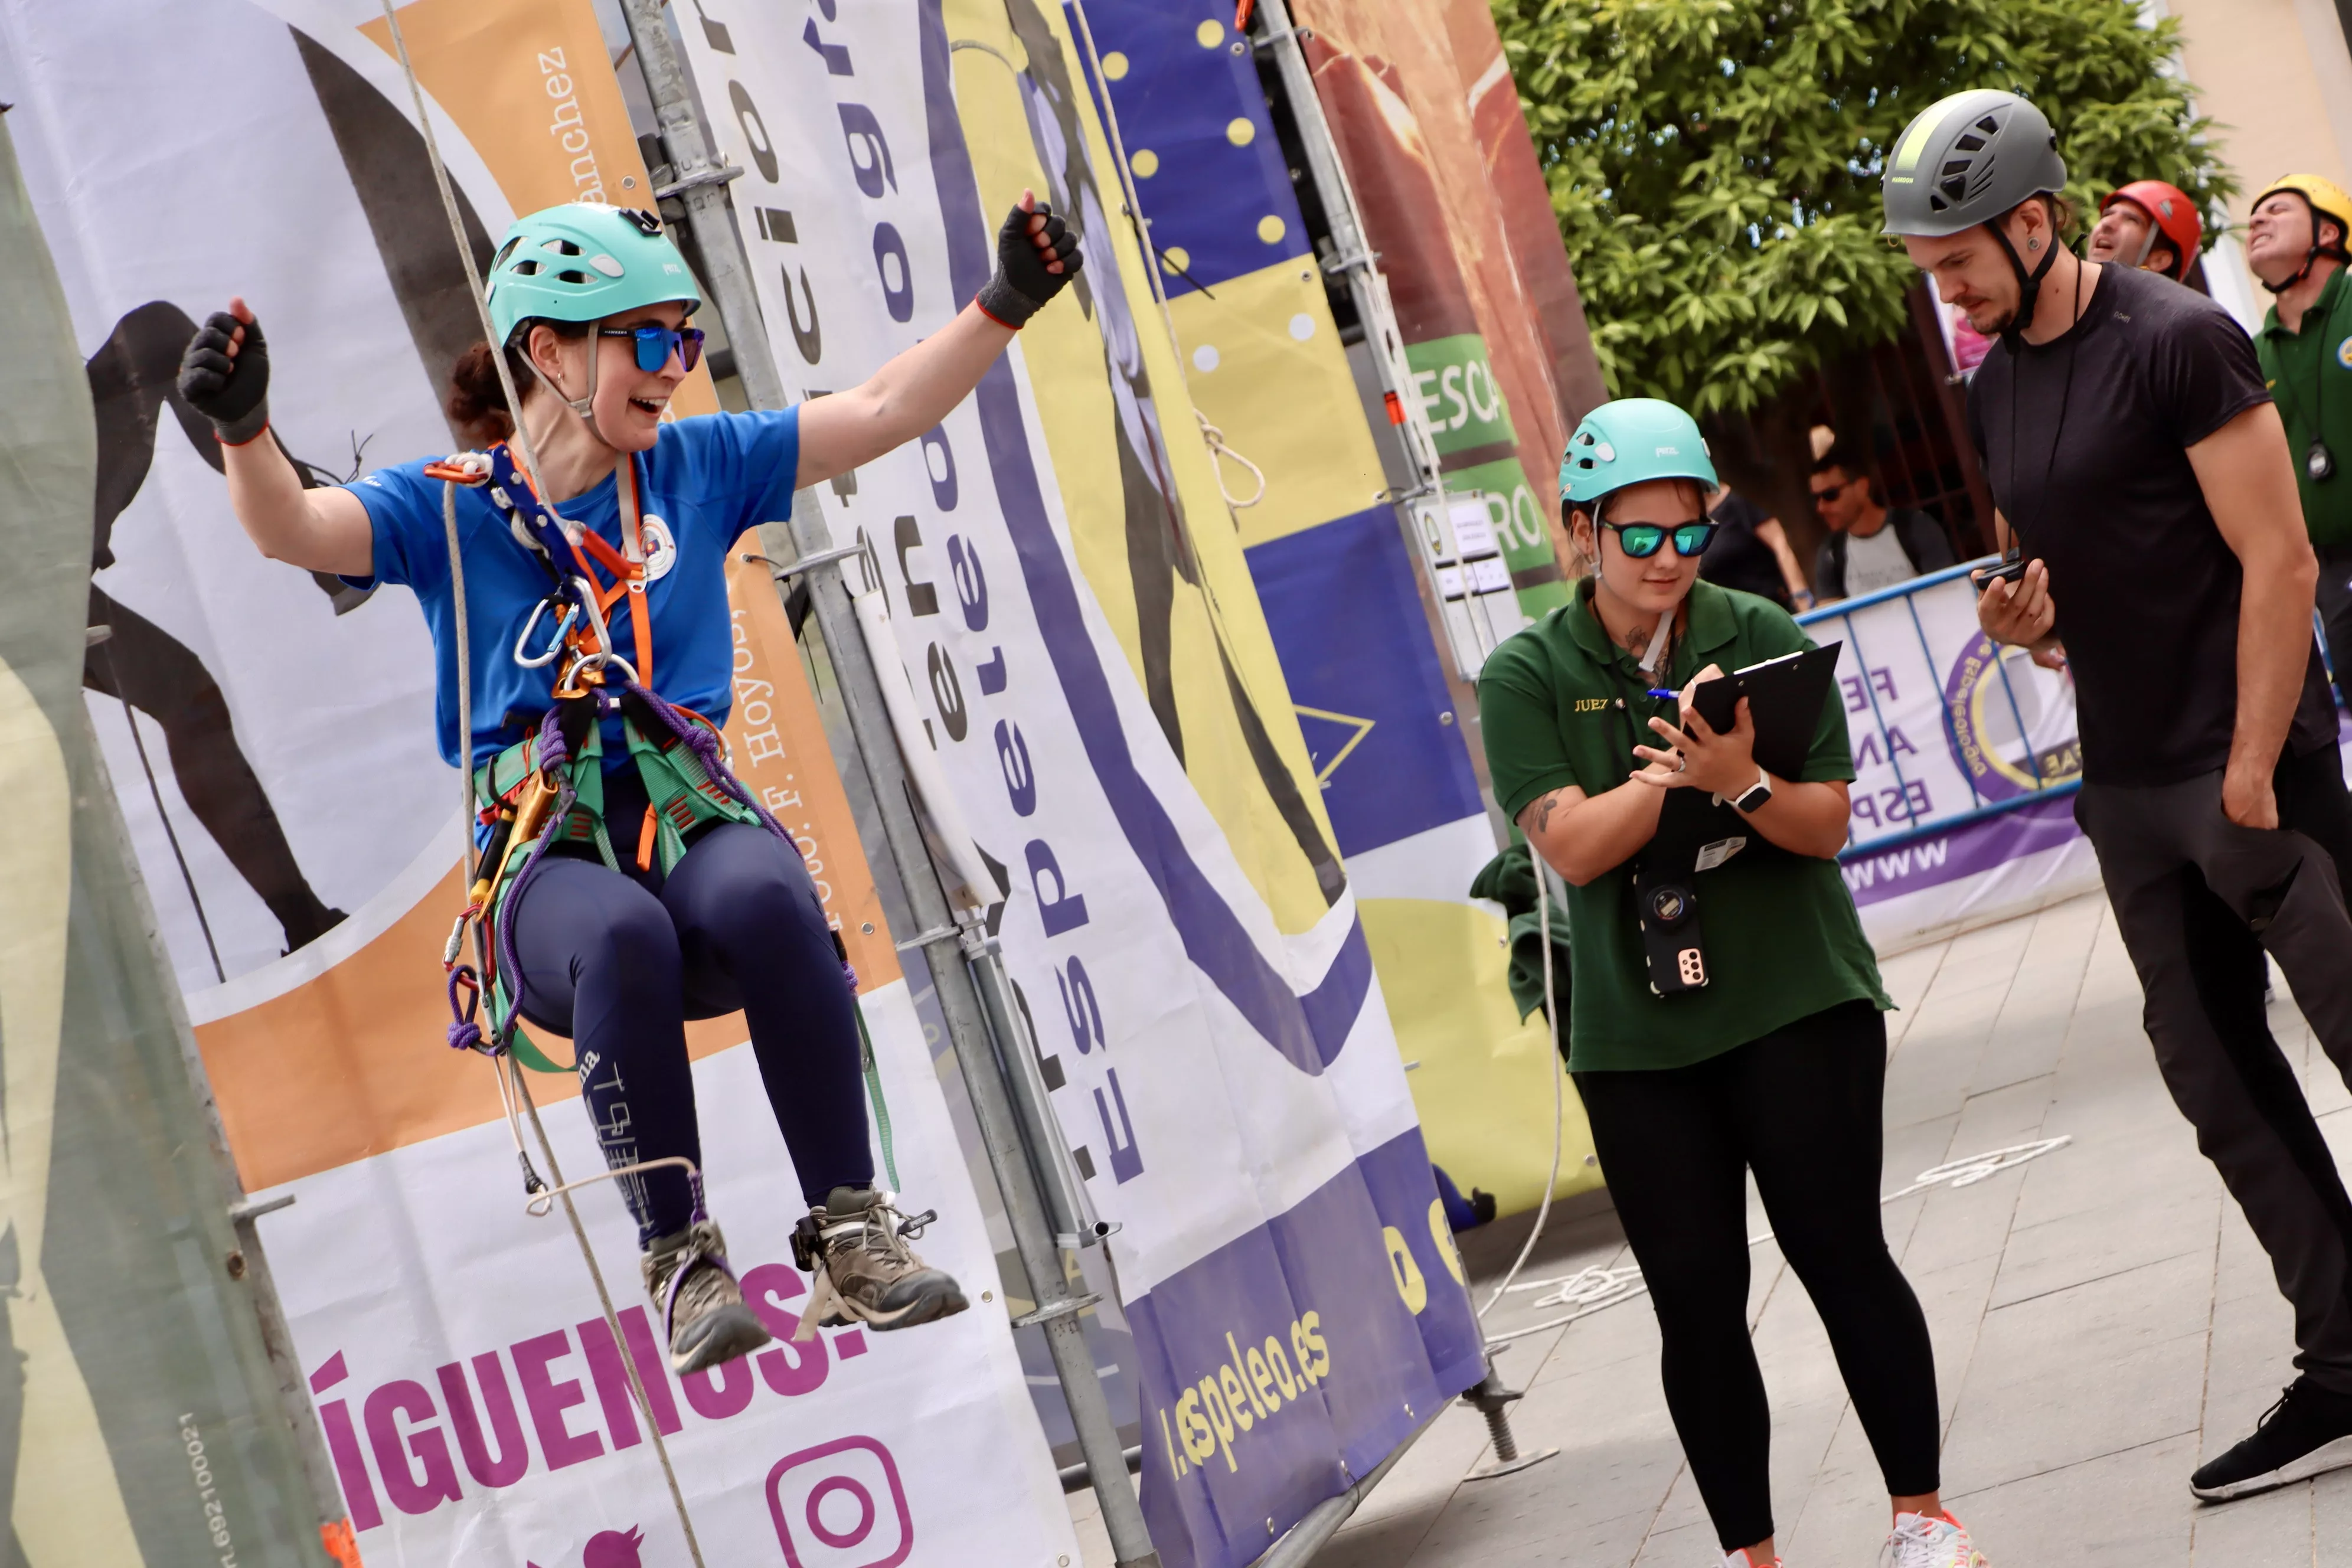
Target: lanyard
[538,525]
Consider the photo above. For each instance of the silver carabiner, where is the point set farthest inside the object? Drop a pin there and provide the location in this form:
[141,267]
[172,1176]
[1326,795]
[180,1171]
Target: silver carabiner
[587,601]
[555,649]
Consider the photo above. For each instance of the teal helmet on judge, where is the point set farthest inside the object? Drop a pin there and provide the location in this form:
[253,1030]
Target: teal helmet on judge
[1628,441]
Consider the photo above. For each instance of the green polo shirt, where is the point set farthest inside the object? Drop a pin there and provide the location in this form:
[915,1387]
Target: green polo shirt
[2310,377]
[1783,938]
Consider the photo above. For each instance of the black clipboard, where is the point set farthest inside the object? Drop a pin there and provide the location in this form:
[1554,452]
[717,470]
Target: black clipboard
[1784,701]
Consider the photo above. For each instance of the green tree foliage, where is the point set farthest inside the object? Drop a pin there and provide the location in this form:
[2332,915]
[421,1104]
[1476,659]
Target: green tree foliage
[1714,164]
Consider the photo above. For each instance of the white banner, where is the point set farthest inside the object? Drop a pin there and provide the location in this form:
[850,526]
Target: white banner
[474,1400]
[1231,1085]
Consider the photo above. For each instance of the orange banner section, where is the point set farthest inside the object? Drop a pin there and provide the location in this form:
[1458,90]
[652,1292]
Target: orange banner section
[529,85]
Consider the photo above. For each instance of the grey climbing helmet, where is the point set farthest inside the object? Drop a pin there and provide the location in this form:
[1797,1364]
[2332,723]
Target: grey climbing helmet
[1967,160]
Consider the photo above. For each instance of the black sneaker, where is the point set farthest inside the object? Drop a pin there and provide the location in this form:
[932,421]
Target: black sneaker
[2308,1431]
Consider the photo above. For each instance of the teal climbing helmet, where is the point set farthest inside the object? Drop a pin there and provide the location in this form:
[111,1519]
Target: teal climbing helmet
[583,261]
[1628,441]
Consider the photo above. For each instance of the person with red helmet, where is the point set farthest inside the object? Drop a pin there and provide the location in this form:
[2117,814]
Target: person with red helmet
[2151,225]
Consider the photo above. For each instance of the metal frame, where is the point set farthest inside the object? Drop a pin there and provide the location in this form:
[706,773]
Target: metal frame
[950,947]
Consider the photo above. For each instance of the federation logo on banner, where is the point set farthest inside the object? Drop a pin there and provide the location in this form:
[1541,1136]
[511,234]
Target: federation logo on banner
[2010,723]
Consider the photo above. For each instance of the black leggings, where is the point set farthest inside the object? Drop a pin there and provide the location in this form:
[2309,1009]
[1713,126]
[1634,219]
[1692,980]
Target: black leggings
[620,960]
[1800,1107]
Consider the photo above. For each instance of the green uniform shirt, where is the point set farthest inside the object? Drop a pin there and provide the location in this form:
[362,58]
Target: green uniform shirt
[2310,377]
[1781,935]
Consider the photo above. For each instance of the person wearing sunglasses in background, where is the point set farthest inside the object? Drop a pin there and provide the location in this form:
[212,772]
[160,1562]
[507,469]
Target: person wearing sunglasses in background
[1776,1064]
[590,305]
[1869,546]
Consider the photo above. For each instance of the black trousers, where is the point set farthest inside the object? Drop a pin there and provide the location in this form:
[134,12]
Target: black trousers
[2198,899]
[1802,1107]
[620,960]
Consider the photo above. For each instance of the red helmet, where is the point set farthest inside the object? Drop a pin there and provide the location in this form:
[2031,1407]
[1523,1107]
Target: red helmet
[2173,214]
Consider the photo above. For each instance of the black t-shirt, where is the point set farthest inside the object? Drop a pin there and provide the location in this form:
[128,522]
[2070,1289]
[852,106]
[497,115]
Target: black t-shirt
[2096,479]
[1737,558]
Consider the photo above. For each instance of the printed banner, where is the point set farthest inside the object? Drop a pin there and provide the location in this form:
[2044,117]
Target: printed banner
[1335,573]
[1076,611]
[269,733]
[1420,102]
[1966,760]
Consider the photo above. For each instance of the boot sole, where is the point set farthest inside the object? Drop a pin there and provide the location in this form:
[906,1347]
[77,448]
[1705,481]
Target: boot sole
[734,1332]
[2327,1457]
[922,1309]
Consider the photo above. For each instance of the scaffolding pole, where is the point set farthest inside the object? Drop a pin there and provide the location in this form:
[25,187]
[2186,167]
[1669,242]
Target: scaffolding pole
[697,179]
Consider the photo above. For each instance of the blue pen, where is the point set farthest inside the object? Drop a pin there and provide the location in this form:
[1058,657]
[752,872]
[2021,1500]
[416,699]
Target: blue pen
[1662,692]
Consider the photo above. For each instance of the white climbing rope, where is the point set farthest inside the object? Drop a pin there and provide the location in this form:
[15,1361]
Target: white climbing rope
[1218,453]
[1551,1058]
[1595,1288]
[511,1086]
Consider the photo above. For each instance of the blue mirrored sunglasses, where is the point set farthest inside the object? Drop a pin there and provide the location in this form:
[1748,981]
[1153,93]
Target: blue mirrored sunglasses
[1641,540]
[654,344]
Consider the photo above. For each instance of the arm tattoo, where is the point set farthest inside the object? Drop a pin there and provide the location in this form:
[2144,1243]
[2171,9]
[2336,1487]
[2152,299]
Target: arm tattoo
[1536,819]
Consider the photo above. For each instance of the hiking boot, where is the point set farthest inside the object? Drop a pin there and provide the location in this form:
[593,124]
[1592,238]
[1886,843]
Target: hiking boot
[2308,1430]
[1930,1541]
[703,1314]
[870,1274]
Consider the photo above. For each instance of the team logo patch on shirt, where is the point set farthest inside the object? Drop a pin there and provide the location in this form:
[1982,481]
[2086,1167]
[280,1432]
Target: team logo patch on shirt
[661,550]
[2343,353]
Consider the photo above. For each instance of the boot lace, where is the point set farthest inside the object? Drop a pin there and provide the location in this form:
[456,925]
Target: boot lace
[882,1231]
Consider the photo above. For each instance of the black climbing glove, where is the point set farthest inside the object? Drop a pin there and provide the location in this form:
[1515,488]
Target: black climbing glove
[231,393]
[1022,285]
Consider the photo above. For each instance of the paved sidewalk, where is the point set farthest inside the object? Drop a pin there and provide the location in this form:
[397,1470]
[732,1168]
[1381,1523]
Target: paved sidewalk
[2102,1318]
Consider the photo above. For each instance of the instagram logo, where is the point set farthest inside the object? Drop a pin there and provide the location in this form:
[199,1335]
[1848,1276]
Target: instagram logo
[839,1505]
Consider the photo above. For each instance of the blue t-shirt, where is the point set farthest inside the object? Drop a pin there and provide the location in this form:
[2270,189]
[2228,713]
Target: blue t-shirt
[706,480]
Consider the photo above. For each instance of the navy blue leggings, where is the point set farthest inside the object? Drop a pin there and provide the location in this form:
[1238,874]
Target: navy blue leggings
[620,960]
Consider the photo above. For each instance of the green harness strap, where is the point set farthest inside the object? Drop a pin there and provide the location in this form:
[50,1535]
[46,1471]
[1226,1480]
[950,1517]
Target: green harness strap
[683,797]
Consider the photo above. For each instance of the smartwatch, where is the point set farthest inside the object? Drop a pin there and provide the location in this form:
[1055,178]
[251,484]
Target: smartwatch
[1756,795]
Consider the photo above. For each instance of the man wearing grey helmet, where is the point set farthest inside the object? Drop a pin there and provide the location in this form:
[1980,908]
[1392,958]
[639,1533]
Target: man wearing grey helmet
[2147,497]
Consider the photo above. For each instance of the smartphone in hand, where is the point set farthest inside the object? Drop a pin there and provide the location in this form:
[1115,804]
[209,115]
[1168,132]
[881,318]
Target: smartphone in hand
[2010,569]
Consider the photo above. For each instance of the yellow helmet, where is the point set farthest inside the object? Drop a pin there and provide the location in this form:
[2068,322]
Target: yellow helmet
[2326,199]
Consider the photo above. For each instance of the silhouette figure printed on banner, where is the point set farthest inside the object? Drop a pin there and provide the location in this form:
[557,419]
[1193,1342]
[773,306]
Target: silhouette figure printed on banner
[132,379]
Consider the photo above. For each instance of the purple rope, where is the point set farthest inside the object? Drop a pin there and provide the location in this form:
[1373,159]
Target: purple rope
[464,1034]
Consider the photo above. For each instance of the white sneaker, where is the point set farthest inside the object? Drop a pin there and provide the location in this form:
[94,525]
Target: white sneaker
[1930,1541]
[1741,1559]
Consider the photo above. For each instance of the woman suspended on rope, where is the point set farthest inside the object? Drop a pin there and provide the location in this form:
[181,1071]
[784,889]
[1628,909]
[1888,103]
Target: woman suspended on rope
[629,884]
[1749,1039]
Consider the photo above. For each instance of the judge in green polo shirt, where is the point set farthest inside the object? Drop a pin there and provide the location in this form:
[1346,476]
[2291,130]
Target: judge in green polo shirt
[1776,1064]
[2295,245]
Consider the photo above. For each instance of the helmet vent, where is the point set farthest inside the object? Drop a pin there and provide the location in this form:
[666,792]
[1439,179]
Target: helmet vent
[1936,203]
[570,276]
[1969,143]
[1955,187]
[561,247]
[1957,166]
[526,267]
[1991,127]
[504,251]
